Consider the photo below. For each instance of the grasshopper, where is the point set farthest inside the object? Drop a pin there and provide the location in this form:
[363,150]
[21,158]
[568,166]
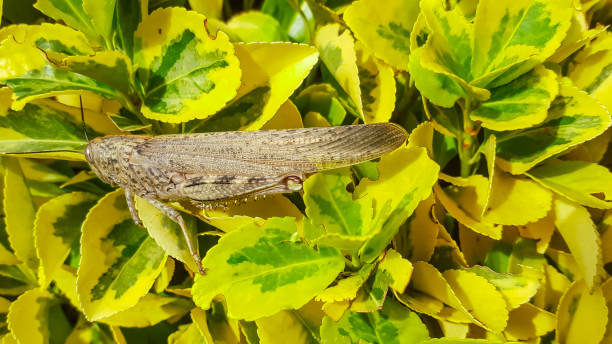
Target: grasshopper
[209,169]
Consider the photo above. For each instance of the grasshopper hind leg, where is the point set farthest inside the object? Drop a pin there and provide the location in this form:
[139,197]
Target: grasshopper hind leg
[176,217]
[129,197]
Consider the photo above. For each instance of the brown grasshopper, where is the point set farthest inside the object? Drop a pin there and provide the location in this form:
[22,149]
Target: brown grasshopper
[209,168]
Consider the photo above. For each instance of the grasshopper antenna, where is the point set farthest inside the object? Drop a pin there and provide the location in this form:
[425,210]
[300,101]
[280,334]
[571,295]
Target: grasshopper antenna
[83,119]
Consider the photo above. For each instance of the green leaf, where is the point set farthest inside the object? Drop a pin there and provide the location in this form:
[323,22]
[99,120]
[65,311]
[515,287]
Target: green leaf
[42,127]
[36,317]
[406,178]
[19,212]
[113,68]
[347,222]
[347,288]
[266,86]
[439,89]
[185,73]
[256,27]
[574,117]
[115,21]
[520,104]
[577,180]
[290,19]
[57,229]
[385,30]
[393,324]
[167,233]
[324,100]
[70,12]
[263,268]
[119,261]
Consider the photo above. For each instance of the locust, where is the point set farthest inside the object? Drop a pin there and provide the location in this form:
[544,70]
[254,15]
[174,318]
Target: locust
[210,169]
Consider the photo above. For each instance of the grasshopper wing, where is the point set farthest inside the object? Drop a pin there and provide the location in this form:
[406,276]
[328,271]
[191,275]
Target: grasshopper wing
[270,152]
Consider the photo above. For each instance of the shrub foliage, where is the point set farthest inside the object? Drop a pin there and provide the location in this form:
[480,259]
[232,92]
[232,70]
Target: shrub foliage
[491,224]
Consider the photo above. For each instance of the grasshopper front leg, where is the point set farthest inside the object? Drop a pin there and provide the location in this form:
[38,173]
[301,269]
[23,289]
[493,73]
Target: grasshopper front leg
[172,214]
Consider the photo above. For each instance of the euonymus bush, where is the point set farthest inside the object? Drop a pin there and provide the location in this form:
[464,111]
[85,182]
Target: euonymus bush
[491,223]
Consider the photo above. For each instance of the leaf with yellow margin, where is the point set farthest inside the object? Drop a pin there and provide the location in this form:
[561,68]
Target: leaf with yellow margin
[149,310]
[265,87]
[417,238]
[119,261]
[406,177]
[29,318]
[337,51]
[346,289]
[581,311]
[262,267]
[385,30]
[200,320]
[167,233]
[57,229]
[377,84]
[165,277]
[587,71]
[517,289]
[185,73]
[606,289]
[605,231]
[578,230]
[529,322]
[480,297]
[187,333]
[579,181]
[19,214]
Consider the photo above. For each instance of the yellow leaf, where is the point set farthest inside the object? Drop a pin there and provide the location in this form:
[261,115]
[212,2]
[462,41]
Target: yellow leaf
[65,280]
[516,200]
[480,297]
[337,51]
[19,214]
[164,278]
[574,224]
[236,216]
[464,201]
[209,8]
[541,230]
[287,117]
[335,310]
[398,268]
[581,312]
[430,293]
[554,286]
[528,322]
[198,316]
[294,326]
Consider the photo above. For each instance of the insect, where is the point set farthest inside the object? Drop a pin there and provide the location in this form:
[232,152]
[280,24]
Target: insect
[209,168]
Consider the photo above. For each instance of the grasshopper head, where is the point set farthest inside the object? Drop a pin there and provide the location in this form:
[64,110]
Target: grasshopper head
[108,156]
